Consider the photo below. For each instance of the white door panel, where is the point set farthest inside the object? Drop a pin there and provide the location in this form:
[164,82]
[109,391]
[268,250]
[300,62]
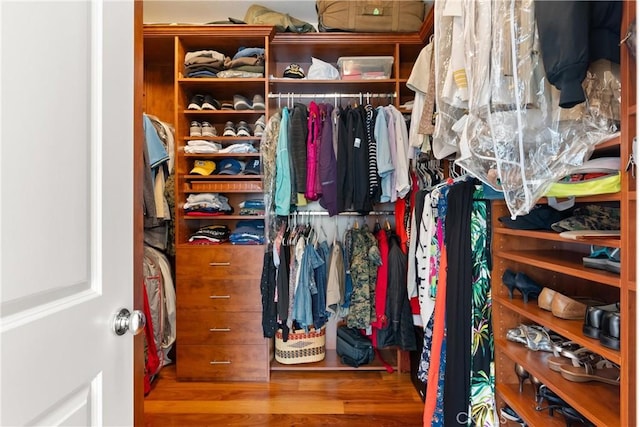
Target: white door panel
[66,212]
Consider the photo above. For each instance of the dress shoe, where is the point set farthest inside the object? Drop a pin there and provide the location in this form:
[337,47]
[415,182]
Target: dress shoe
[610,332]
[545,298]
[509,280]
[593,318]
[527,287]
[570,308]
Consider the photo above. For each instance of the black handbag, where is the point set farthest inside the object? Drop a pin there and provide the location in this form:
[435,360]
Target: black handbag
[353,348]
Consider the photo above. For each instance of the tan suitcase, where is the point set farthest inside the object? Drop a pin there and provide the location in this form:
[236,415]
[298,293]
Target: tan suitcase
[364,16]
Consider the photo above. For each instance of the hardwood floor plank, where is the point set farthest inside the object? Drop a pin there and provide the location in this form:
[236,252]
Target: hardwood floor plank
[291,398]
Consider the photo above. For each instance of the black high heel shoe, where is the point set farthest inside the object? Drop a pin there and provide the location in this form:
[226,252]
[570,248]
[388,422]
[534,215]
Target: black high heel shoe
[527,287]
[554,402]
[509,280]
[573,417]
[522,375]
[536,386]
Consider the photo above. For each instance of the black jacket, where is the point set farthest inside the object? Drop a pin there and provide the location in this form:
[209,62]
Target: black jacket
[574,34]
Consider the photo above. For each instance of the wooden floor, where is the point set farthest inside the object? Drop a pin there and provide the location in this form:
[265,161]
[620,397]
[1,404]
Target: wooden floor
[310,399]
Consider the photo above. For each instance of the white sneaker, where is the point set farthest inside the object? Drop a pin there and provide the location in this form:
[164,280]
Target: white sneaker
[208,130]
[195,129]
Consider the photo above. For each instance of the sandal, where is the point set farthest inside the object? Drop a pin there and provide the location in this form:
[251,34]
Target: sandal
[570,350]
[601,370]
[534,337]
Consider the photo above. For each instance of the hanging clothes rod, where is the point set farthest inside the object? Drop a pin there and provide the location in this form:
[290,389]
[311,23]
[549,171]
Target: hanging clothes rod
[332,95]
[325,213]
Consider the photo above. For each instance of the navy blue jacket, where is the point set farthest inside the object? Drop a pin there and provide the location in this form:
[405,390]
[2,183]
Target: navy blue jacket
[574,34]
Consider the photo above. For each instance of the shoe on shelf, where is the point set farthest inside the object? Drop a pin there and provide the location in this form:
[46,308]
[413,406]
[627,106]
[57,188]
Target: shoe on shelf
[258,102]
[610,332]
[210,103]
[195,129]
[241,103]
[597,258]
[509,280]
[208,129]
[509,414]
[569,308]
[226,105]
[593,318]
[259,125]
[229,129]
[613,262]
[196,102]
[243,129]
[527,287]
[546,298]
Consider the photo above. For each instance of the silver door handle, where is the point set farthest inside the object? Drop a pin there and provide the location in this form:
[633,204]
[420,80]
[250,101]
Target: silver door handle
[219,329]
[219,264]
[125,321]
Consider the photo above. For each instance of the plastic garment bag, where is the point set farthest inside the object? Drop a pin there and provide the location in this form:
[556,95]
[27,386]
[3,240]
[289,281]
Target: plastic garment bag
[510,132]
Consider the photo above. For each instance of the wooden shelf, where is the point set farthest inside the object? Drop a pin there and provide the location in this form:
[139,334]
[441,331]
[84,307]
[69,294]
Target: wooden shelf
[570,329]
[555,237]
[220,155]
[332,362]
[223,177]
[564,262]
[595,400]
[222,112]
[218,81]
[222,217]
[524,405]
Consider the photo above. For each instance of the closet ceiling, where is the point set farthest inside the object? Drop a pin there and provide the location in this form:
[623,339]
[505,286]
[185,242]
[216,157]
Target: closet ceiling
[200,12]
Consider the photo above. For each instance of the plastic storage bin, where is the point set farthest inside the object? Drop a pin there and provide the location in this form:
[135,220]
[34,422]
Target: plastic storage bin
[365,67]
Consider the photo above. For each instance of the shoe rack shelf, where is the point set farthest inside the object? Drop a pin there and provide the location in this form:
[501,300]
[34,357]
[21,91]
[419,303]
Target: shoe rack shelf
[556,262]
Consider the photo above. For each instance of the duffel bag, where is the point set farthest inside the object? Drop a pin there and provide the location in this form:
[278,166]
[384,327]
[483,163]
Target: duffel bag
[365,16]
[353,348]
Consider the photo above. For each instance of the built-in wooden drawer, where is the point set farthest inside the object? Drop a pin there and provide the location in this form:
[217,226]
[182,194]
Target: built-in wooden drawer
[216,362]
[216,294]
[239,262]
[208,327]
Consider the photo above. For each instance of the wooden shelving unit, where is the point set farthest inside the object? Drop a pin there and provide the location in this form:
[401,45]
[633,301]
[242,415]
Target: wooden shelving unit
[555,262]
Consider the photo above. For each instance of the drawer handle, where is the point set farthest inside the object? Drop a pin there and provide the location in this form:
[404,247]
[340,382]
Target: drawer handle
[219,329]
[220,362]
[219,296]
[219,264]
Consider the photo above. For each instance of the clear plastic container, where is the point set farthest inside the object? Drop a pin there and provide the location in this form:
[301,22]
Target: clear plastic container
[365,67]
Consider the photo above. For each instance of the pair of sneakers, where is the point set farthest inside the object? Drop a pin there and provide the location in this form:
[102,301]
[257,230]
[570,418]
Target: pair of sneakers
[203,102]
[242,103]
[603,258]
[242,129]
[202,129]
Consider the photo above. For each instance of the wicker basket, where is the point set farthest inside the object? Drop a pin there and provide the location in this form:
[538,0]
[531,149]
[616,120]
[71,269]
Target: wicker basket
[301,347]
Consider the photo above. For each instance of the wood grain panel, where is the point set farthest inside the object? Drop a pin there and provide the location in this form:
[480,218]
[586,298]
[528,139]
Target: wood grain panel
[232,362]
[241,262]
[222,328]
[219,294]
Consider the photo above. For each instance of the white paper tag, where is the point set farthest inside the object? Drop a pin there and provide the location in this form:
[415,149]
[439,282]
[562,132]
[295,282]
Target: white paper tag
[356,143]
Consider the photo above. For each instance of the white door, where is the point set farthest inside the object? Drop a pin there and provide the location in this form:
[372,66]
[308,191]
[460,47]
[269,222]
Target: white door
[66,212]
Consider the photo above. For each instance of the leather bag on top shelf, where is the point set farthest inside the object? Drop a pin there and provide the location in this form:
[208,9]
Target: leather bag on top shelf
[370,16]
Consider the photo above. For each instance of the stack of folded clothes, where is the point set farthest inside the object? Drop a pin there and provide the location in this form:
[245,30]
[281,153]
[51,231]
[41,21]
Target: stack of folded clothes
[248,62]
[206,204]
[203,63]
[248,232]
[252,207]
[210,235]
[201,146]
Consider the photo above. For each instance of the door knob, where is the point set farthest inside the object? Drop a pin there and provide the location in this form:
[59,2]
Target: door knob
[127,321]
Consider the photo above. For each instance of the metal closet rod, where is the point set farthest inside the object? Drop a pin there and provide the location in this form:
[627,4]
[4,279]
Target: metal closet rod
[331,95]
[325,213]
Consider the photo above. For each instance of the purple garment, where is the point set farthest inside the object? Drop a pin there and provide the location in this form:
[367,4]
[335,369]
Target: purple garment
[313,145]
[327,166]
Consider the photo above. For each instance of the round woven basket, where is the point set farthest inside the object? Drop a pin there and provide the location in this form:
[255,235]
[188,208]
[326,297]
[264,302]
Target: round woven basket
[301,347]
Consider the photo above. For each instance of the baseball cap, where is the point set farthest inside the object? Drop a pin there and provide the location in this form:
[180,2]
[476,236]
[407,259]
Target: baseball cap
[252,167]
[293,71]
[229,167]
[203,167]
